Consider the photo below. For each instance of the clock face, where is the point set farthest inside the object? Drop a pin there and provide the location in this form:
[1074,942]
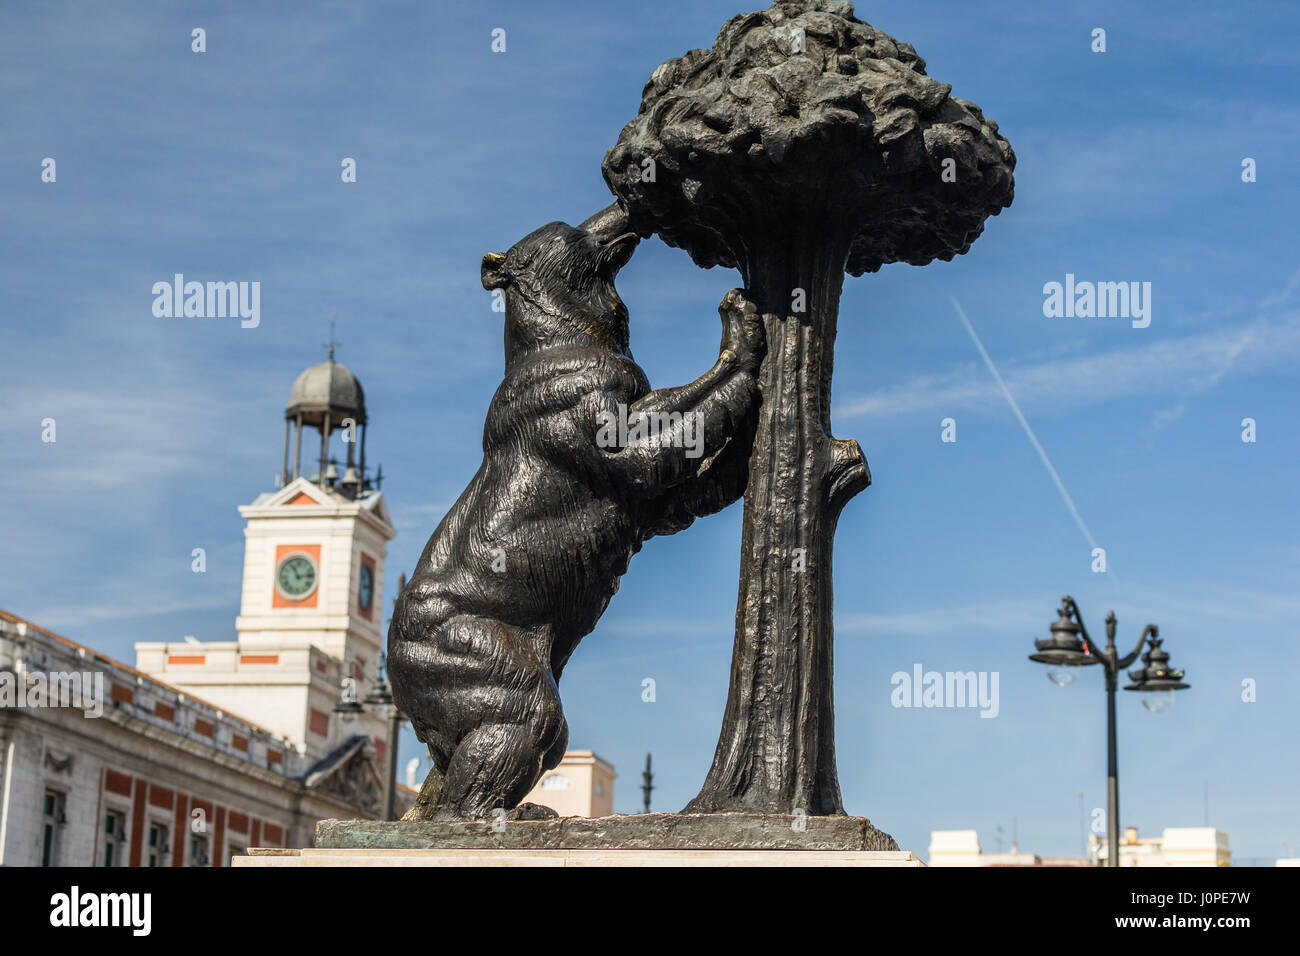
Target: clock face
[295,578]
[366,587]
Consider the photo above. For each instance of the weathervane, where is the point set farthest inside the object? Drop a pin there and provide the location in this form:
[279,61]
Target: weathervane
[331,344]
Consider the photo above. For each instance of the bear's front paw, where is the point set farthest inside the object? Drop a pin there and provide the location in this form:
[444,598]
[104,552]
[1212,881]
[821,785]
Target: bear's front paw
[743,334]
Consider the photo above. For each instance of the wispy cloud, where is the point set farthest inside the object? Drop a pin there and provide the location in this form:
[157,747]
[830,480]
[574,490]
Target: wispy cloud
[74,621]
[918,622]
[938,621]
[1211,377]
[1179,602]
[1279,298]
[422,518]
[1162,366]
[109,437]
[669,627]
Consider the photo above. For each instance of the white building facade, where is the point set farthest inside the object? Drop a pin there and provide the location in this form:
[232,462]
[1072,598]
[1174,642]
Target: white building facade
[204,749]
[102,765]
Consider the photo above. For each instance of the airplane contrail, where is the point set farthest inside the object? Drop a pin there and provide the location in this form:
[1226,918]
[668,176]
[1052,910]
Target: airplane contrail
[1060,486]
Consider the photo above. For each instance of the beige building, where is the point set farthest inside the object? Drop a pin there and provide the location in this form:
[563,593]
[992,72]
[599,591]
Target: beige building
[581,786]
[962,848]
[1176,846]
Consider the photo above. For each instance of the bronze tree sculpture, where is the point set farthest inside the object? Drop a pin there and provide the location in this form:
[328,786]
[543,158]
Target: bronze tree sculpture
[804,144]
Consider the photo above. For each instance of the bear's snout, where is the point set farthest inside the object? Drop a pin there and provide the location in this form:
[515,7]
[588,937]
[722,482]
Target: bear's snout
[614,255]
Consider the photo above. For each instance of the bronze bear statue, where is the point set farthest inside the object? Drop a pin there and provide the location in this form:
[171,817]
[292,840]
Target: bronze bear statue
[527,559]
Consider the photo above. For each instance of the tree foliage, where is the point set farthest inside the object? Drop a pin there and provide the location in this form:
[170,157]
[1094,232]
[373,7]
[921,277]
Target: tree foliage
[803,110]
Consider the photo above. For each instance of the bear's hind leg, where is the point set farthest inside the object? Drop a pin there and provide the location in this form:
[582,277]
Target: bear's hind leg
[493,769]
[482,691]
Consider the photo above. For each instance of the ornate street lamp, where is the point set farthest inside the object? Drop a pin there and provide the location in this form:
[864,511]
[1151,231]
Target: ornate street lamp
[349,708]
[1063,652]
[382,696]
[1156,681]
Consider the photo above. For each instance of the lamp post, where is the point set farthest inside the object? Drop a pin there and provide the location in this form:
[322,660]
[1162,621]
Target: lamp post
[382,696]
[349,708]
[1064,650]
[647,783]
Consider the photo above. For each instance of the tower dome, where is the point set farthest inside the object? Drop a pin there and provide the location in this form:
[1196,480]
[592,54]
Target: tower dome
[327,389]
[328,398]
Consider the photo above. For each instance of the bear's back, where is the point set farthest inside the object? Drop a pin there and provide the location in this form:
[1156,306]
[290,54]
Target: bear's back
[547,405]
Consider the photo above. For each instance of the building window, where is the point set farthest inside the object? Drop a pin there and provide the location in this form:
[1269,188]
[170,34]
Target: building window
[234,851]
[199,850]
[52,820]
[557,781]
[158,847]
[114,837]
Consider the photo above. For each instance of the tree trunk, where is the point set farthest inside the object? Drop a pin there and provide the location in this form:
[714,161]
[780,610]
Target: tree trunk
[776,751]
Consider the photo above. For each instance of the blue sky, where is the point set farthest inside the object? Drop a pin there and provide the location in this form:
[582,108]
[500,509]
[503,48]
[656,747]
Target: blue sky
[225,165]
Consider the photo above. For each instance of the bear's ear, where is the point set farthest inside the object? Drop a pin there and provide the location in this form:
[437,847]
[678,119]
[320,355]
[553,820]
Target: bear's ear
[494,276]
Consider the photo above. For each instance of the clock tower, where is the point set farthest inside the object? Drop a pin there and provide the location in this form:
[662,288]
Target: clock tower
[314,549]
[310,625]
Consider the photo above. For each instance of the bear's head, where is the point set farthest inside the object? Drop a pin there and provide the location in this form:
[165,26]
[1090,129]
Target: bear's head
[558,283]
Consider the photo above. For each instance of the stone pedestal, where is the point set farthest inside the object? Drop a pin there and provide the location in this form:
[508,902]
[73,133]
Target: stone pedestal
[313,857]
[644,839]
